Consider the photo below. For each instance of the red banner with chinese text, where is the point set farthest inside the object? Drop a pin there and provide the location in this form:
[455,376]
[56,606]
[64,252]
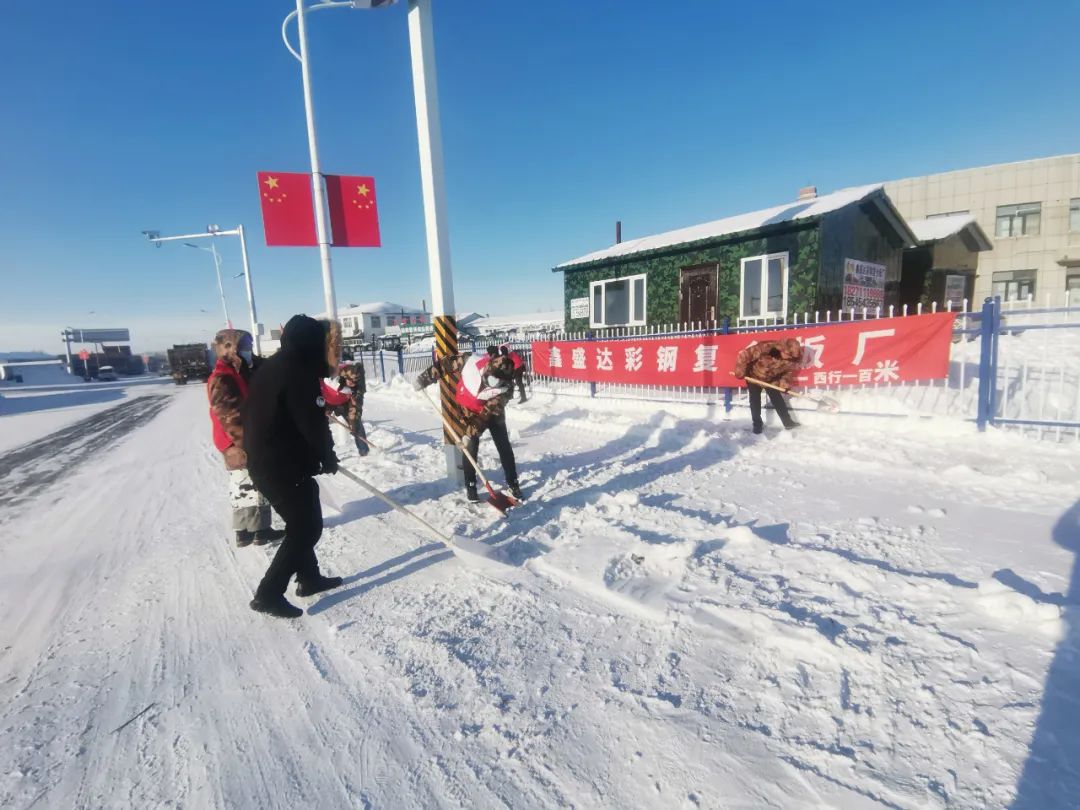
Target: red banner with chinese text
[885,350]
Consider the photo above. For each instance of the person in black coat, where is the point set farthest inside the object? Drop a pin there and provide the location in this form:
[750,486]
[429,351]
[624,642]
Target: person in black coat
[288,442]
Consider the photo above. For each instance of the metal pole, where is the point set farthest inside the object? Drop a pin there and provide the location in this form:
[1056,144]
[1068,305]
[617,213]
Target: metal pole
[429,136]
[321,223]
[250,290]
[67,349]
[221,287]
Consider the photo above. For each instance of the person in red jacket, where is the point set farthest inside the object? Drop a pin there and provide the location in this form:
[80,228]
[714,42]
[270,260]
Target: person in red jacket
[227,389]
[480,383]
[519,372]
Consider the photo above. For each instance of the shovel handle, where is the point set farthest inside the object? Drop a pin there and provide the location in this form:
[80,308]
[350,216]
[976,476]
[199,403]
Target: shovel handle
[356,479]
[457,440]
[356,435]
[779,388]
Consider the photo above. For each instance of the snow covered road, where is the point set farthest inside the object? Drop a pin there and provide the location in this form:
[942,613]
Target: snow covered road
[854,615]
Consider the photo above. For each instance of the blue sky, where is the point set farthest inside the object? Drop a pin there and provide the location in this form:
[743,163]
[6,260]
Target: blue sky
[559,117]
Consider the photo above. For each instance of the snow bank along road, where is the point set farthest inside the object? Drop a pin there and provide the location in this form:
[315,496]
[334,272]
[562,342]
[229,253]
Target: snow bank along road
[684,615]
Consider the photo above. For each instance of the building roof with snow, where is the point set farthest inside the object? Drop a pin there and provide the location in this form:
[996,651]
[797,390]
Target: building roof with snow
[533,321]
[937,229]
[377,308]
[742,224]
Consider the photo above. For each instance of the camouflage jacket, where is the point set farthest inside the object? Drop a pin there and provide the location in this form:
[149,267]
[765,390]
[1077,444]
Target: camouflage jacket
[351,376]
[449,368]
[771,361]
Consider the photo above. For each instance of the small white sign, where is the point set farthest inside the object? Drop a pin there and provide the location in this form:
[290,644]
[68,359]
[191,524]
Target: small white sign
[864,284]
[579,307]
[955,287]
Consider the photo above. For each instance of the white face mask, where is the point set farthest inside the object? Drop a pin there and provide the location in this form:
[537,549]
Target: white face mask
[246,356]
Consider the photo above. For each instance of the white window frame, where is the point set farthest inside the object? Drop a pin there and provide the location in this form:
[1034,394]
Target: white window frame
[595,324]
[764,259]
[1017,214]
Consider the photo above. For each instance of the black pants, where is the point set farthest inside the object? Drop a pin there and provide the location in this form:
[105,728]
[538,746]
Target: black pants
[778,403]
[519,381]
[497,429]
[298,504]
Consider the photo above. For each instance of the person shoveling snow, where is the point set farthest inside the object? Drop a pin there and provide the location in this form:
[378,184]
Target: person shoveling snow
[771,361]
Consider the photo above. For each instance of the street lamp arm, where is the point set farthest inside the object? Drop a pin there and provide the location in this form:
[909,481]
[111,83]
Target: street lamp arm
[156,239]
[292,16]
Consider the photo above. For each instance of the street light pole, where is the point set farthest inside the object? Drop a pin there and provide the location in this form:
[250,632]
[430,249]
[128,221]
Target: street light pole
[429,136]
[212,250]
[212,232]
[322,228]
[221,287]
[250,290]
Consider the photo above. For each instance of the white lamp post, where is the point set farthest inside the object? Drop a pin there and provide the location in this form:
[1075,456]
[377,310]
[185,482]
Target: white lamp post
[425,91]
[322,219]
[212,250]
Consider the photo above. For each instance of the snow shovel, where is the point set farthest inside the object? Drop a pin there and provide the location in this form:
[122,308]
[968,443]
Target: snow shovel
[499,500]
[354,435]
[827,404]
[453,543]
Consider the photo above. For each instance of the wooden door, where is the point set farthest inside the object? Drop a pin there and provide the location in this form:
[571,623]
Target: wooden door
[697,294]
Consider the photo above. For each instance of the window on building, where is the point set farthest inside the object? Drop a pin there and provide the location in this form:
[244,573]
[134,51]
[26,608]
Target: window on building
[1072,286]
[1074,215]
[617,302]
[1018,220]
[1014,285]
[763,292]
[406,320]
[391,320]
[376,322]
[947,214]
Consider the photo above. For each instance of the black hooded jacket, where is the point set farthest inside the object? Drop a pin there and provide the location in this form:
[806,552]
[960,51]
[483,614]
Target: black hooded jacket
[286,435]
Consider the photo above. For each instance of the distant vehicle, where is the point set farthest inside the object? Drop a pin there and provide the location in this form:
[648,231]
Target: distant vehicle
[189,361]
[107,374]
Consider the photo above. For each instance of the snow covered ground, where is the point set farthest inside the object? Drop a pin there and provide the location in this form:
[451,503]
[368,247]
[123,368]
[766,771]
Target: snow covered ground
[50,399]
[856,614]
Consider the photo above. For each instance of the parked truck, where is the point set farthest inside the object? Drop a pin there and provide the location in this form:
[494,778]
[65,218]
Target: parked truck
[189,361]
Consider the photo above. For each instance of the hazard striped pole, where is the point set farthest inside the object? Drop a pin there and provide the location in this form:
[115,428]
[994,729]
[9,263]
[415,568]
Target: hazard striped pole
[429,137]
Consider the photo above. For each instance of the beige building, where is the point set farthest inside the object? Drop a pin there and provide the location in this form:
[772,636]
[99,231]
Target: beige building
[1031,212]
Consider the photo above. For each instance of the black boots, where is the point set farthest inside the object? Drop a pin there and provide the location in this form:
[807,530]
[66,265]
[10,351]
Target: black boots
[244,538]
[277,606]
[264,536]
[470,492]
[313,586]
[515,490]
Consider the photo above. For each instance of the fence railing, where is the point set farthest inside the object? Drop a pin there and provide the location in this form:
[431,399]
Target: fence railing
[1032,357]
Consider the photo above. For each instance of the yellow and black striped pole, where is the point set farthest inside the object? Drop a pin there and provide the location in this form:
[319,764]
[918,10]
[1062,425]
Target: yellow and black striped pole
[446,346]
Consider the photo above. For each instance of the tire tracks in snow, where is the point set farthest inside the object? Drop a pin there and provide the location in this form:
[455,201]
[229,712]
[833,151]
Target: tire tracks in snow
[26,471]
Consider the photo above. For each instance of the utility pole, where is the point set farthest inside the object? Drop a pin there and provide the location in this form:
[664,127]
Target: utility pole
[429,136]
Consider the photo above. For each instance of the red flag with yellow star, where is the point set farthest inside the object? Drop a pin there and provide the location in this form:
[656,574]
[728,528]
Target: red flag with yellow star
[288,214]
[354,214]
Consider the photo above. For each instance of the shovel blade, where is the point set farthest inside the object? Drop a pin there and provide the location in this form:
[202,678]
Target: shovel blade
[500,500]
[828,405]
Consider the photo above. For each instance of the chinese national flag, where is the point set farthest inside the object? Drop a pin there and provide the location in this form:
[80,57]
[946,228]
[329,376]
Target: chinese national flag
[354,215]
[288,214]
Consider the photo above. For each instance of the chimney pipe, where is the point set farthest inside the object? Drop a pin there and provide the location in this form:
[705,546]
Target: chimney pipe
[618,231]
[807,193]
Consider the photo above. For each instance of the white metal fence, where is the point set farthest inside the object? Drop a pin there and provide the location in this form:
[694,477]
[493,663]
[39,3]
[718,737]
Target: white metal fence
[1036,368]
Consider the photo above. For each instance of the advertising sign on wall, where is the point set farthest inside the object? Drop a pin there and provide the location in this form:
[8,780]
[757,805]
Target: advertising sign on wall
[864,285]
[579,307]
